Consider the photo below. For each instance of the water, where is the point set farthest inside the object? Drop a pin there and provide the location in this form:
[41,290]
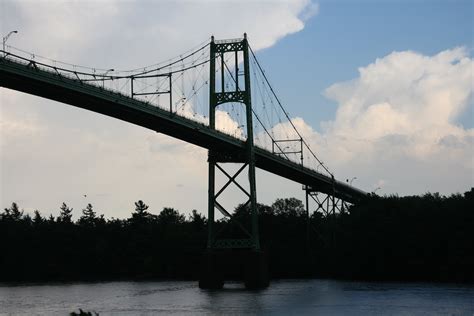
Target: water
[285,297]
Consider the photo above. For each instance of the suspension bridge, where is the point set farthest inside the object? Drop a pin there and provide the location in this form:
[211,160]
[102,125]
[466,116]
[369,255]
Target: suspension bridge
[216,96]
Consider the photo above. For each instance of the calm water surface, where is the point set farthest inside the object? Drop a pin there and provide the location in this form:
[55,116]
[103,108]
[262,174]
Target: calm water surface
[286,297]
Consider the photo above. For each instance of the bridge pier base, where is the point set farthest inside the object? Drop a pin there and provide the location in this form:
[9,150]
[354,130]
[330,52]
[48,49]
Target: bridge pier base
[249,266]
[256,271]
[211,276]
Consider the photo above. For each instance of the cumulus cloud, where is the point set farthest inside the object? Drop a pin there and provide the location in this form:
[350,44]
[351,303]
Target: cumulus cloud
[401,112]
[405,93]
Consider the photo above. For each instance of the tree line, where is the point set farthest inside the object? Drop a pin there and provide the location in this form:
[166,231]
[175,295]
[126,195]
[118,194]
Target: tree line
[428,237]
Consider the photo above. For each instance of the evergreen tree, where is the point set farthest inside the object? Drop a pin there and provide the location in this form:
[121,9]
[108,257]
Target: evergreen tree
[37,219]
[88,217]
[140,215]
[170,216]
[197,220]
[27,219]
[140,208]
[13,213]
[65,214]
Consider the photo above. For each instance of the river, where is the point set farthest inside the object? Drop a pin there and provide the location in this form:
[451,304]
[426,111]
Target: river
[283,297]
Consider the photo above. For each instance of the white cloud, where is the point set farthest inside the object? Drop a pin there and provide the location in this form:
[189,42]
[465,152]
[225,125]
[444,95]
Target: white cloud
[399,113]
[405,93]
[101,33]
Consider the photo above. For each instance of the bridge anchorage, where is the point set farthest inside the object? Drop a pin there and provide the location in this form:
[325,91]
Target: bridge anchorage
[153,98]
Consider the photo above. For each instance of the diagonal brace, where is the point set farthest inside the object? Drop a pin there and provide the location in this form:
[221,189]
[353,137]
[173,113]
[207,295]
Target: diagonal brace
[231,179]
[232,219]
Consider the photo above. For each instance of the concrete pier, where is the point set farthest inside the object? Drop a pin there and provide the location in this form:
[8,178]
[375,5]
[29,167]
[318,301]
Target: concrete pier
[211,273]
[249,266]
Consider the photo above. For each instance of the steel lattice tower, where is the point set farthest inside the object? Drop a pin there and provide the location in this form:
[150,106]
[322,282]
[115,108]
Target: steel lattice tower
[256,275]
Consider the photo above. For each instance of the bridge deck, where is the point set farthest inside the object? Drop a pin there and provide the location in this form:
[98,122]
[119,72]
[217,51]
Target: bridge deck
[26,78]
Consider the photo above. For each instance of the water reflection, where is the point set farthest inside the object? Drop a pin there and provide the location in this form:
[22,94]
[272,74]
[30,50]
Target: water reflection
[235,298]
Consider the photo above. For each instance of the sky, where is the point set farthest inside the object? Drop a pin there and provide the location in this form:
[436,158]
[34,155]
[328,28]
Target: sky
[383,91]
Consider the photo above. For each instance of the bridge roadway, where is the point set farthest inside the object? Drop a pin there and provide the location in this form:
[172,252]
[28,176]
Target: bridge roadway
[19,76]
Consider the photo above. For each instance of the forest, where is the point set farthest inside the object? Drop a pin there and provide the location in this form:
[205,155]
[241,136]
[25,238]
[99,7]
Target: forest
[412,238]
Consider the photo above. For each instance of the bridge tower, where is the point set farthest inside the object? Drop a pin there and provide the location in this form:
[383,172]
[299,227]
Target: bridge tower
[246,247]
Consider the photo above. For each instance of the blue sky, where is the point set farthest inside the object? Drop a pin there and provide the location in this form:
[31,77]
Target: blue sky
[382,90]
[346,35]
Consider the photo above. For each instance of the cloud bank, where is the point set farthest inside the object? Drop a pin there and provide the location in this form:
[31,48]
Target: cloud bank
[396,124]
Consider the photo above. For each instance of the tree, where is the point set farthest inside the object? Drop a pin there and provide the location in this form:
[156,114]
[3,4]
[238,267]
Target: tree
[140,207]
[243,210]
[197,220]
[13,213]
[265,209]
[37,219]
[27,219]
[65,214]
[89,216]
[170,216]
[289,207]
[140,215]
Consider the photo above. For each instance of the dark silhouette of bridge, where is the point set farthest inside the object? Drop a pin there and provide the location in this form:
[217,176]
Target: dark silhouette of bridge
[156,106]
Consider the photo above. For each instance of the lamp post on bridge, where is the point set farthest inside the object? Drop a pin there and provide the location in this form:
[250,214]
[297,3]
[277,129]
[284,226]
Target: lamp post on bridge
[105,74]
[5,39]
[350,181]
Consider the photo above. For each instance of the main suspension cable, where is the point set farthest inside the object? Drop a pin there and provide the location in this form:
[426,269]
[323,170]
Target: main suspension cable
[286,114]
